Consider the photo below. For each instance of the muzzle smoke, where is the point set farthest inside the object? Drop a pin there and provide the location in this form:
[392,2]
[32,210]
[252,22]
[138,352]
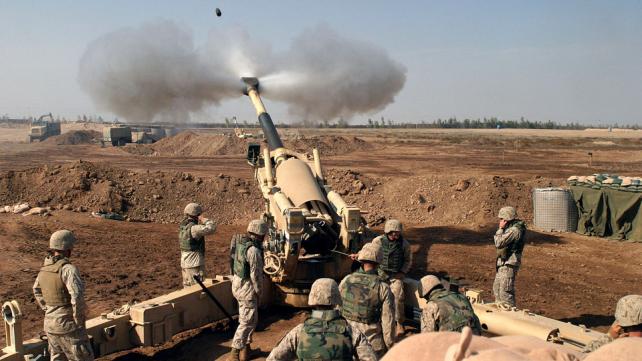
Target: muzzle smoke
[156,73]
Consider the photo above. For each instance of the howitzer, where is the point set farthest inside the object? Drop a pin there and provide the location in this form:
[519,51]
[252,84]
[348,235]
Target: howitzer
[306,218]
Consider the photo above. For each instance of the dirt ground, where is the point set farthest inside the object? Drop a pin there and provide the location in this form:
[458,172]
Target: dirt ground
[445,185]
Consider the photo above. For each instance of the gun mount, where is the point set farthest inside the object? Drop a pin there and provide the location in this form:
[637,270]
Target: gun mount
[308,220]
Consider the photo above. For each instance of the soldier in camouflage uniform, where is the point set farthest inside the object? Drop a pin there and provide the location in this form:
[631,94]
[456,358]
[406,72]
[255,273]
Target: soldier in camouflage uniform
[396,263]
[509,242]
[446,310]
[191,236]
[368,303]
[247,281]
[59,291]
[628,322]
[325,335]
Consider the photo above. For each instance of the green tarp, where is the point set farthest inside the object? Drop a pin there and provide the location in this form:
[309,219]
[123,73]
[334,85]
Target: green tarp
[608,212]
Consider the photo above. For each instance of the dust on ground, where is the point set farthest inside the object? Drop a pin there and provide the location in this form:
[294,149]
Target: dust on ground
[446,186]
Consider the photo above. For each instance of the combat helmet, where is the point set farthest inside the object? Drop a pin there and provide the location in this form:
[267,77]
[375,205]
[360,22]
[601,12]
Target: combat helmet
[370,252]
[427,284]
[193,209]
[62,240]
[392,225]
[258,227]
[507,213]
[324,292]
[628,311]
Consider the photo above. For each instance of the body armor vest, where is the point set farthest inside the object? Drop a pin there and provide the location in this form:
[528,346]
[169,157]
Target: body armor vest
[53,288]
[455,311]
[187,242]
[241,266]
[393,256]
[517,246]
[325,336]
[360,295]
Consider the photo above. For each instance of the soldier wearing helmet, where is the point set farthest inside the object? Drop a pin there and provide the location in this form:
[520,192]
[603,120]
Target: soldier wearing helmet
[395,264]
[325,335]
[509,242]
[368,303]
[446,310]
[628,322]
[59,291]
[191,237]
[247,270]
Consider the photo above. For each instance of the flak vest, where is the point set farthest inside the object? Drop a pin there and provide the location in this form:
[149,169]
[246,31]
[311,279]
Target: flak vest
[360,295]
[393,256]
[455,311]
[325,336]
[187,242]
[515,247]
[53,288]
[241,266]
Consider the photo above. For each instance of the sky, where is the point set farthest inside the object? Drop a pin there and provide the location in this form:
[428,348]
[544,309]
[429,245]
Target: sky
[565,61]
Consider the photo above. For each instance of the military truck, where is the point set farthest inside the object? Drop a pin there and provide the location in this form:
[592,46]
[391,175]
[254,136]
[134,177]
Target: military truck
[118,135]
[42,128]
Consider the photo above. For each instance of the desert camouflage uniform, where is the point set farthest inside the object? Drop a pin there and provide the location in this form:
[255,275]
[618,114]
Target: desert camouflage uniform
[510,243]
[594,345]
[289,345]
[396,285]
[193,262]
[381,333]
[247,292]
[454,314]
[628,312]
[64,324]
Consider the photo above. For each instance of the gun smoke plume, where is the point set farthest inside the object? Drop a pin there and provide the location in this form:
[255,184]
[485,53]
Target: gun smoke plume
[156,73]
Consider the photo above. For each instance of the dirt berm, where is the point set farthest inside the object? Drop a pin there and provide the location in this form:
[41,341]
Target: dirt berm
[191,144]
[160,196]
[75,137]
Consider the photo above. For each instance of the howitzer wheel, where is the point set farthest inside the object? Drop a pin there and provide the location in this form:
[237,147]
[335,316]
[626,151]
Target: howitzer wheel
[272,264]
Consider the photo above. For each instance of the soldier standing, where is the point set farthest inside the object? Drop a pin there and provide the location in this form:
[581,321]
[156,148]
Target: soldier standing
[628,322]
[509,241]
[325,335]
[446,310]
[246,286]
[368,303]
[396,263]
[59,291]
[191,236]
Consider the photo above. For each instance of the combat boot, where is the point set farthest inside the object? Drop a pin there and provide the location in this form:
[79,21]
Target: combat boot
[234,354]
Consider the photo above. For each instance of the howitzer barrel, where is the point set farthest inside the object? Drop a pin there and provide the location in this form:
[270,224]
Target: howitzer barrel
[269,130]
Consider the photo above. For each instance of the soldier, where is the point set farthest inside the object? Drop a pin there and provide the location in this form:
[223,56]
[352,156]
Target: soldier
[191,236]
[325,335]
[628,322]
[246,286]
[368,303]
[446,310]
[59,291]
[509,241]
[396,262]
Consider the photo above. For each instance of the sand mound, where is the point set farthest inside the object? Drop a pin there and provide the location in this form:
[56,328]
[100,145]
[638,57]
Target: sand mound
[75,137]
[191,144]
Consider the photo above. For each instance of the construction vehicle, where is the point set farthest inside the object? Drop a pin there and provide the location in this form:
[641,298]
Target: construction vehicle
[42,128]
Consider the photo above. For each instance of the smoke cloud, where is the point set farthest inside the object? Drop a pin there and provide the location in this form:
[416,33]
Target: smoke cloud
[156,73]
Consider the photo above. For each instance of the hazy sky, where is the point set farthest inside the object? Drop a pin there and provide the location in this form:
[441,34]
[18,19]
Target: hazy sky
[558,60]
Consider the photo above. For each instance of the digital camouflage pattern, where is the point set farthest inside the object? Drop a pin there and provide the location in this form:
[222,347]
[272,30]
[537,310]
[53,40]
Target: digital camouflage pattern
[504,285]
[507,213]
[448,311]
[62,240]
[628,311]
[360,296]
[325,336]
[247,292]
[392,225]
[324,292]
[426,284]
[509,243]
[193,209]
[258,227]
[73,347]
